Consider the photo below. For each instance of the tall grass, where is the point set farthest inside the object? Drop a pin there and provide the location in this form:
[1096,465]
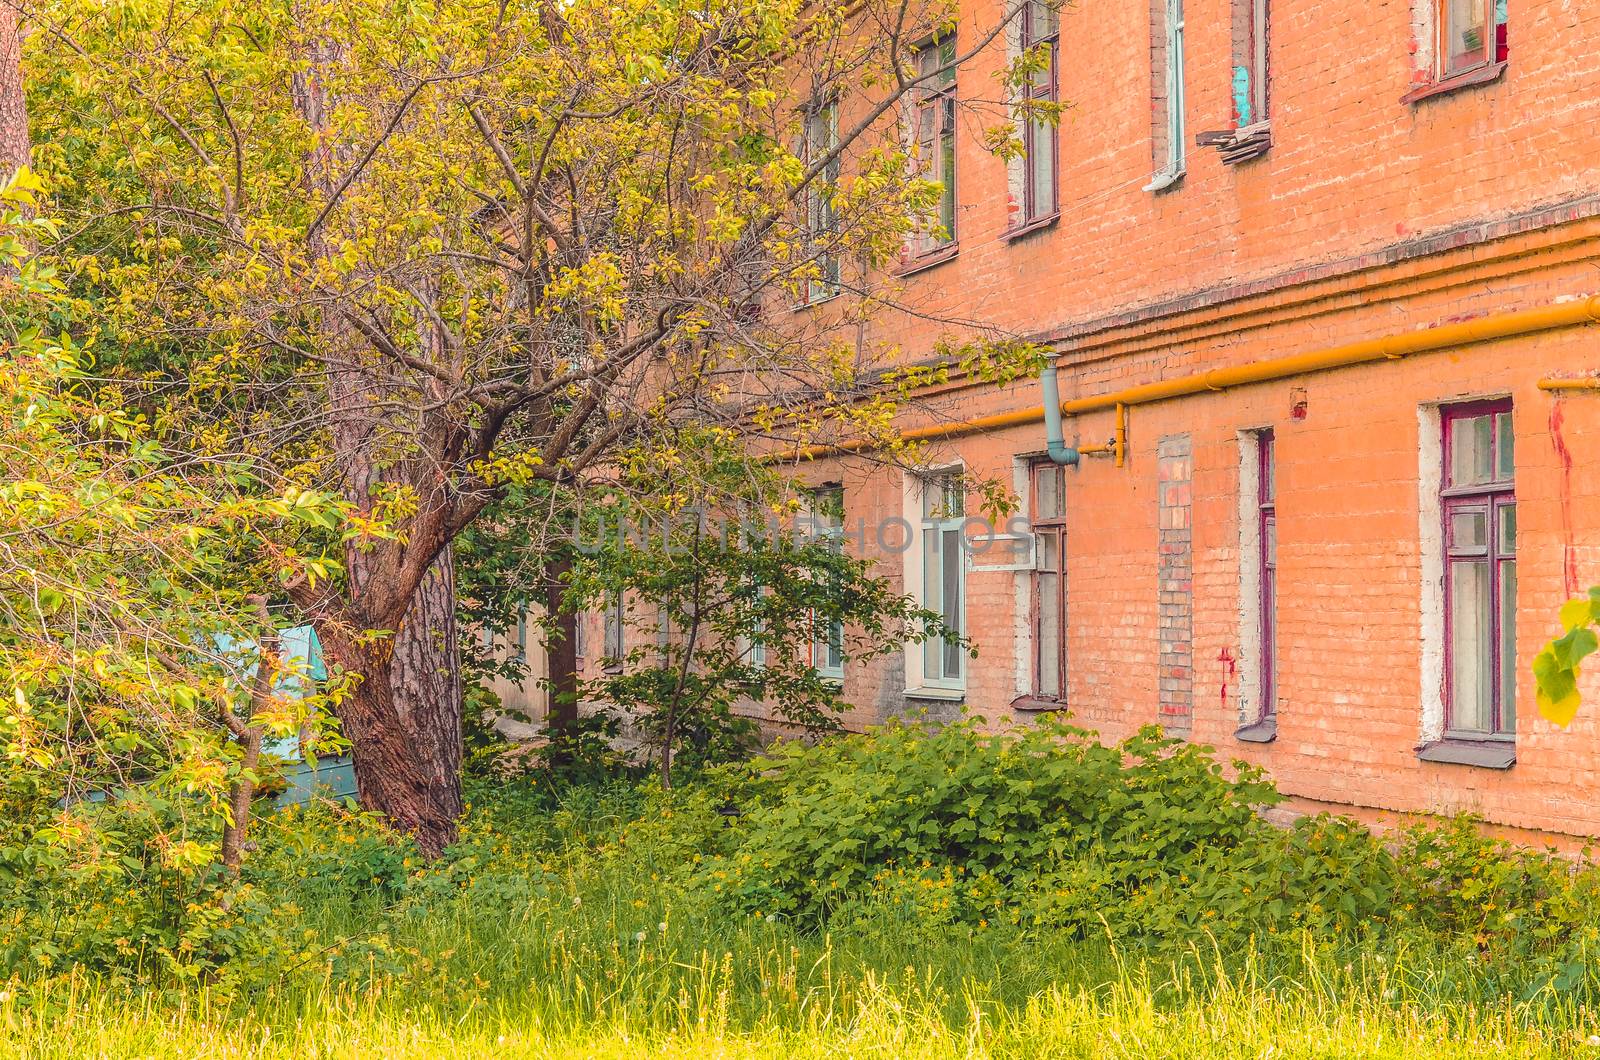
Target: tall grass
[555,937]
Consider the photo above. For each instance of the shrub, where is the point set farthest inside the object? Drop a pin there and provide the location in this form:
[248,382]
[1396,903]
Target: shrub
[1012,814]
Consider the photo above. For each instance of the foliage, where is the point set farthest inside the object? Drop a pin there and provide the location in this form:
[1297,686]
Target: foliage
[1557,666]
[575,920]
[733,593]
[137,681]
[1007,812]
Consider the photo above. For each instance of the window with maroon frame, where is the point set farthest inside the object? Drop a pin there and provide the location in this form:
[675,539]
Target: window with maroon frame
[1050,583]
[1267,516]
[1480,532]
[1040,32]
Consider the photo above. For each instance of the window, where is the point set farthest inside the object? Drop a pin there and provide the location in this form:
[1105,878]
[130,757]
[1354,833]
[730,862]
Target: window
[1049,583]
[614,647]
[1040,31]
[827,514]
[936,135]
[822,138]
[1251,134]
[1472,33]
[1250,73]
[1480,585]
[1170,136]
[1267,522]
[944,576]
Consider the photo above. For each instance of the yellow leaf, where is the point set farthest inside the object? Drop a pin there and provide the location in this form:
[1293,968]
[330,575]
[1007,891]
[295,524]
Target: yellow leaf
[1575,613]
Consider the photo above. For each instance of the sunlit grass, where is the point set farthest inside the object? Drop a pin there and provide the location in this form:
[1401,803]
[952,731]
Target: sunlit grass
[555,937]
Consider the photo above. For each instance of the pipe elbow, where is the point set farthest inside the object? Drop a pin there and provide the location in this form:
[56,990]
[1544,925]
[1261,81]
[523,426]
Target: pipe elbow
[1055,439]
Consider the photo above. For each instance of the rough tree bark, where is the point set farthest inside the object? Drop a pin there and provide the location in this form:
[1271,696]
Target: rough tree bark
[15,145]
[427,681]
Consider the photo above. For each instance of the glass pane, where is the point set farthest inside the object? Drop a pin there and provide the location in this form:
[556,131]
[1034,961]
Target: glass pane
[1049,551]
[1042,169]
[1269,642]
[1505,444]
[1471,657]
[1269,542]
[1471,450]
[932,585]
[1049,635]
[1507,541]
[952,600]
[1049,503]
[1509,671]
[1269,468]
[1469,529]
[947,177]
[1465,43]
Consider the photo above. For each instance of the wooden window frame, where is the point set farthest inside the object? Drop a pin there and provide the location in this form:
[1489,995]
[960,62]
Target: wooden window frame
[827,521]
[937,526]
[1267,545]
[821,220]
[1050,534]
[1491,498]
[1036,209]
[935,109]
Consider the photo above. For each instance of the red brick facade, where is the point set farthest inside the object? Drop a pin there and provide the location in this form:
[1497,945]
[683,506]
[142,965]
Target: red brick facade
[1367,217]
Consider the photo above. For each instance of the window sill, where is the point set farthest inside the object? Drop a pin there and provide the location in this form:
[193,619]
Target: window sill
[926,261]
[1264,731]
[1239,145]
[1036,704]
[1478,75]
[812,303]
[1486,754]
[945,695]
[1166,179]
[1038,224]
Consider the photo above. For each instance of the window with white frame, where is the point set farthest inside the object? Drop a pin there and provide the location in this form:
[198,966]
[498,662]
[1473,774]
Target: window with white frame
[944,578]
[827,518]
[1170,153]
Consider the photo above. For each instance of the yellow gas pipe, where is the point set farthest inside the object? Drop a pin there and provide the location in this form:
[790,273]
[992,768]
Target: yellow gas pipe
[1573,313]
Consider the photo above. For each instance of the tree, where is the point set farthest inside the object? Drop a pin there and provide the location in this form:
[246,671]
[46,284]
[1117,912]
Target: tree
[418,255]
[740,594]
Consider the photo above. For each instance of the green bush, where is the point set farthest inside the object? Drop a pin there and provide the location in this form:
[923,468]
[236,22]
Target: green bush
[1000,818]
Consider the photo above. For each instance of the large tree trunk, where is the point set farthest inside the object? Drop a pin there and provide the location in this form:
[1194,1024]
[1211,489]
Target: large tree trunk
[393,775]
[15,146]
[427,681]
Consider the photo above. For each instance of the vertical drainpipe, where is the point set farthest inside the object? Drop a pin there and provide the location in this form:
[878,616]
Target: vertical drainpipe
[1055,441]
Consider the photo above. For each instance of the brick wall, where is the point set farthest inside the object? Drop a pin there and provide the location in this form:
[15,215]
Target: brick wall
[1366,218]
[1174,575]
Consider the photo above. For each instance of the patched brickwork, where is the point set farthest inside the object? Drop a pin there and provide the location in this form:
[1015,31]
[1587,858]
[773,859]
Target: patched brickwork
[1175,582]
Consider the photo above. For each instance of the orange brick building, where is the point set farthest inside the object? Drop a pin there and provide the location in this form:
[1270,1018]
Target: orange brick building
[1390,213]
